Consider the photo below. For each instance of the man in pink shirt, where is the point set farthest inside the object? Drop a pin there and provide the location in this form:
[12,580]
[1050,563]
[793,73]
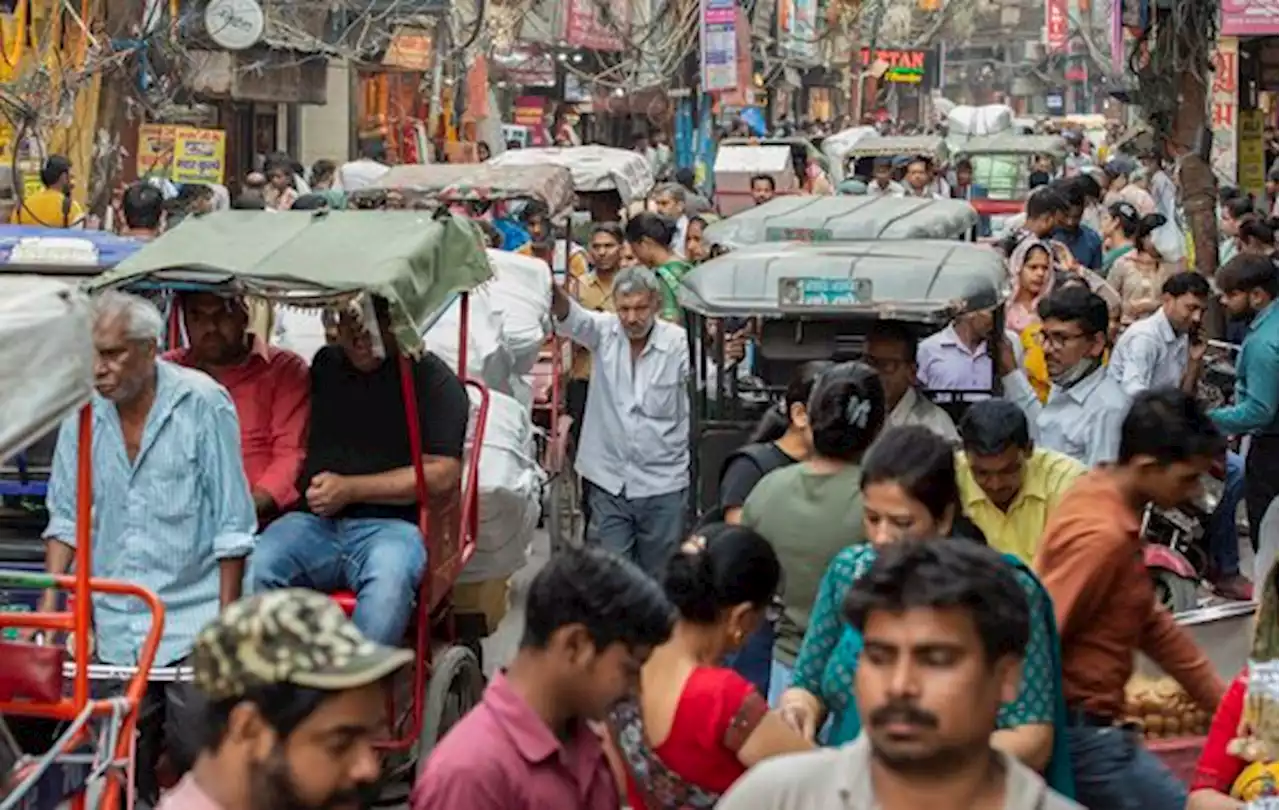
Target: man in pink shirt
[591,620]
[294,702]
[270,387]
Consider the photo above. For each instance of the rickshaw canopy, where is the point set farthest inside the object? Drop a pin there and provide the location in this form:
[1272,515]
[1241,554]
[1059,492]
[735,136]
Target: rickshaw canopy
[549,184]
[930,146]
[416,260]
[843,219]
[46,357]
[594,168]
[790,143]
[1011,143]
[61,251]
[925,281]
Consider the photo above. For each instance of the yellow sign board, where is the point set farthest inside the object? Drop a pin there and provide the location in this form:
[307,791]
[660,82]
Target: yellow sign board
[1252,153]
[199,155]
[181,154]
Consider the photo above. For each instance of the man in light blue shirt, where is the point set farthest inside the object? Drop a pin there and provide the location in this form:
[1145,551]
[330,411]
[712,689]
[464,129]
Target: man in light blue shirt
[1085,409]
[172,512]
[634,455]
[1159,352]
[1248,285]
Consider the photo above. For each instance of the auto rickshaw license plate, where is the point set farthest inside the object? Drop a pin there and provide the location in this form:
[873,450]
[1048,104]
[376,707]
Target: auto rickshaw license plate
[823,292]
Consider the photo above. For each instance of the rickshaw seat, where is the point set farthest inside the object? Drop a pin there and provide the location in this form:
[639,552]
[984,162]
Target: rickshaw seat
[31,672]
[346,600]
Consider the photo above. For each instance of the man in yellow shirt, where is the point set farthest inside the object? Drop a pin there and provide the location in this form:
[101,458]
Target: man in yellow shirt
[52,206]
[1008,487]
[594,290]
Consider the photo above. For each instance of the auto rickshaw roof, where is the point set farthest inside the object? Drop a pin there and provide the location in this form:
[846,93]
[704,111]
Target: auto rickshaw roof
[46,357]
[417,260]
[930,146]
[61,251]
[480,182]
[1011,143]
[843,218]
[913,280]
[594,168]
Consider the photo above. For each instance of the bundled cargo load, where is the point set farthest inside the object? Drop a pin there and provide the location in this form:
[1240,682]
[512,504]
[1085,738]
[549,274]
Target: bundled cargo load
[986,120]
[510,490]
[488,358]
[520,292]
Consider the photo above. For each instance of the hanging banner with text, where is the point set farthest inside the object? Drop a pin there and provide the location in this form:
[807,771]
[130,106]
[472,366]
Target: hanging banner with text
[1223,108]
[719,45]
[1057,26]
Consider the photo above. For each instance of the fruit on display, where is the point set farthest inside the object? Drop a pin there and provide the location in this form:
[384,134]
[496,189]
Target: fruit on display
[1161,708]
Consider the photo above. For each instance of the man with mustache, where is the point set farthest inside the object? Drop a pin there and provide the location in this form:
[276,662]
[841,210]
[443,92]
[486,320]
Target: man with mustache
[944,625]
[295,700]
[634,453]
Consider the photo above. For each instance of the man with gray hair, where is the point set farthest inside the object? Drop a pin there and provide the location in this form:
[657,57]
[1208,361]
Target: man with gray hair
[634,453]
[171,512]
[671,200]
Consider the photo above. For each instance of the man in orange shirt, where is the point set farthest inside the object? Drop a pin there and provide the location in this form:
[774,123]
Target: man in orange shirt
[1090,561]
[271,389]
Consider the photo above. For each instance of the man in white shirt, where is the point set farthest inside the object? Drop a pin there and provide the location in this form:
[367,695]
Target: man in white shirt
[634,454]
[671,200]
[360,174]
[1086,408]
[919,180]
[1157,351]
[891,351]
[882,182]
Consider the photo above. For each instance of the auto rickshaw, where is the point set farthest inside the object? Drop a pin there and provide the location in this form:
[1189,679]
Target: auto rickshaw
[844,219]
[813,302]
[1002,165]
[46,360]
[419,262]
[863,153]
[784,159]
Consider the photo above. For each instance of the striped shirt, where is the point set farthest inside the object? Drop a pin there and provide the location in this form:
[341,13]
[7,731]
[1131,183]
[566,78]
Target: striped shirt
[163,521]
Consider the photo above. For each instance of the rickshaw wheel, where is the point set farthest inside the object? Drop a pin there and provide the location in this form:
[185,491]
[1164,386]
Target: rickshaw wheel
[455,687]
[564,510]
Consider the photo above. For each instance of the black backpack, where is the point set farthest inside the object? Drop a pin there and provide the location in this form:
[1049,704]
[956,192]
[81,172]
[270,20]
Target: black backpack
[765,459]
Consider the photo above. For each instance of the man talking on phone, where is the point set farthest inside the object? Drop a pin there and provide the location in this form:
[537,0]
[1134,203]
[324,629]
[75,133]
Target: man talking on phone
[1166,349]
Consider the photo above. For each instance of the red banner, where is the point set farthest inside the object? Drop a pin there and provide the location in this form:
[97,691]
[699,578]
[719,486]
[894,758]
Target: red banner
[1057,26]
[588,26]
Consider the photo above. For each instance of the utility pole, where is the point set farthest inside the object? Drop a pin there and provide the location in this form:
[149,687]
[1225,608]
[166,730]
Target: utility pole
[122,24]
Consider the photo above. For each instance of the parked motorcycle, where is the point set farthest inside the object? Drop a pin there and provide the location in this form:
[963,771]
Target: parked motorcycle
[1176,553]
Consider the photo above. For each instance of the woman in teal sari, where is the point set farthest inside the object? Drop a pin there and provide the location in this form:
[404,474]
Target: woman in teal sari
[909,491]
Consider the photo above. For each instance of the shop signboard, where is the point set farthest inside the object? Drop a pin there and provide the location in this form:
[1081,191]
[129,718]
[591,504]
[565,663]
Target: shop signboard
[903,66]
[1250,18]
[596,25]
[1223,108]
[199,155]
[155,150]
[1252,153]
[1057,26]
[719,45]
[798,29]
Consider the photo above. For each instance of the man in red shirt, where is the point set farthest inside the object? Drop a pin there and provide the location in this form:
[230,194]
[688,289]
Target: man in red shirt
[270,387]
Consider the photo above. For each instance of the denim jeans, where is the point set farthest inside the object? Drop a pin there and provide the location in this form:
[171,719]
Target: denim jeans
[1114,771]
[380,559]
[1224,543]
[647,531]
[754,659]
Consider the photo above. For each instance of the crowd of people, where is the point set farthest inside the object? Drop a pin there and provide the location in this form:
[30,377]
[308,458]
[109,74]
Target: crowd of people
[886,607]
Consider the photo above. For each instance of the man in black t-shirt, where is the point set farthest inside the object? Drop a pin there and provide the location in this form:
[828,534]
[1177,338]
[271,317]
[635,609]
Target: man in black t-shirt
[357,525]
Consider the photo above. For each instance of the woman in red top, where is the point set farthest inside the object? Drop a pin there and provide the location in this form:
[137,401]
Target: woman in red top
[1217,769]
[696,726]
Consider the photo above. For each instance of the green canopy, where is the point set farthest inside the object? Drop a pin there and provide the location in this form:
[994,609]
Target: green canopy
[416,260]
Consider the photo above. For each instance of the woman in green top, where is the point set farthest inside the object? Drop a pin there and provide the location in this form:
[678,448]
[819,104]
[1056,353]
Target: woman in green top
[650,236]
[1119,227]
[811,510]
[909,491]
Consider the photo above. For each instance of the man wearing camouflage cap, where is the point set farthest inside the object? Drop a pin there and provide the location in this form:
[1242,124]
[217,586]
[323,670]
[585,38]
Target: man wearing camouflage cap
[295,700]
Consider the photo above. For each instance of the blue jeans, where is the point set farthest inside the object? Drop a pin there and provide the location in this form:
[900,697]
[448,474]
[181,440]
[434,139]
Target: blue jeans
[380,559]
[1114,771]
[1224,542]
[754,659]
[647,531]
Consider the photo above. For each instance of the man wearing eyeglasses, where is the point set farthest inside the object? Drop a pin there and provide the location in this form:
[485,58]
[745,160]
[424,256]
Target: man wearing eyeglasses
[891,351]
[1085,408]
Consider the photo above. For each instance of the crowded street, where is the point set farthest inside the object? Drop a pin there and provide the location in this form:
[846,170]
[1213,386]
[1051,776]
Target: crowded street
[865,405]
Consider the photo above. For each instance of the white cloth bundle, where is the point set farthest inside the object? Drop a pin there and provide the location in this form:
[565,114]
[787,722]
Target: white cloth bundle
[521,295]
[488,358]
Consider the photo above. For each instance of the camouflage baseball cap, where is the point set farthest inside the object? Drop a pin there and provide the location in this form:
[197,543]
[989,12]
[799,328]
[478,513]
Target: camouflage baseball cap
[292,636]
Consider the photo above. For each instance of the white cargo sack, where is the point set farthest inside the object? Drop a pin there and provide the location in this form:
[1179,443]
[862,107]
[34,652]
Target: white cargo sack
[488,358]
[521,295]
[986,120]
[510,484]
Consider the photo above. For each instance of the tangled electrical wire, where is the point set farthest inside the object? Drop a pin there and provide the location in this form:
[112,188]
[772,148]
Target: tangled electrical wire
[1181,44]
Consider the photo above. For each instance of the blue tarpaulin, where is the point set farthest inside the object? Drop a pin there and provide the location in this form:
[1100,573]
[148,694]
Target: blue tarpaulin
[21,243]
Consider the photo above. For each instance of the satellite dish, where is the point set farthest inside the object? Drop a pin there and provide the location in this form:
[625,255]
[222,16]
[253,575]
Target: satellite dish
[234,24]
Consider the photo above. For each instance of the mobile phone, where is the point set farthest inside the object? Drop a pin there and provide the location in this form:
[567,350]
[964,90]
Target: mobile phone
[997,322]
